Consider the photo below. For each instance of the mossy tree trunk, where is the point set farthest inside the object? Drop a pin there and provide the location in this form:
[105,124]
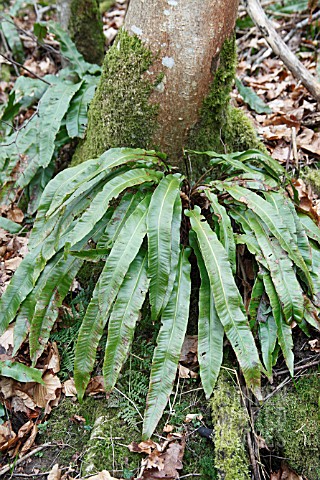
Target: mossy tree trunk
[158,80]
[83,20]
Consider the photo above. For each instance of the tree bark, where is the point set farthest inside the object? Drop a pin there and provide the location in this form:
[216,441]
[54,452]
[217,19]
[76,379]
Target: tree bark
[185,37]
[158,77]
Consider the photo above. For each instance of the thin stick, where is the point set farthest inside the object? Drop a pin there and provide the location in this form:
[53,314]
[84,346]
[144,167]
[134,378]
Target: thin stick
[279,47]
[24,68]
[25,457]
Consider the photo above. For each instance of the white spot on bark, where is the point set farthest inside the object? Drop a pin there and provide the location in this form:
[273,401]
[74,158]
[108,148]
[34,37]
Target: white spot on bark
[168,62]
[166,12]
[173,3]
[136,30]
[160,87]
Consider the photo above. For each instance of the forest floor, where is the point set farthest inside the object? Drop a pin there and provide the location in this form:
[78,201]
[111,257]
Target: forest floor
[45,433]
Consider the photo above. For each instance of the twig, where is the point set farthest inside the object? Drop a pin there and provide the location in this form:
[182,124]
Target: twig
[279,47]
[24,68]
[25,457]
[300,367]
[129,400]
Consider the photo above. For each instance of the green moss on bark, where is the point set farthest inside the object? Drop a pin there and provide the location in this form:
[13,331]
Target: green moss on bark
[223,128]
[290,424]
[86,29]
[230,422]
[120,114]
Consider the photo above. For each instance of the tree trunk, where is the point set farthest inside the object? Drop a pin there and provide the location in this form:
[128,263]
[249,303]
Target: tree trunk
[82,19]
[166,82]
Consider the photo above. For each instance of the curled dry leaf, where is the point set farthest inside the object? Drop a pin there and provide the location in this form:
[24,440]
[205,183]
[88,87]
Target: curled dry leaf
[69,388]
[16,215]
[47,395]
[7,436]
[185,372]
[144,447]
[315,345]
[28,444]
[104,475]
[164,464]
[193,416]
[189,350]
[6,341]
[55,473]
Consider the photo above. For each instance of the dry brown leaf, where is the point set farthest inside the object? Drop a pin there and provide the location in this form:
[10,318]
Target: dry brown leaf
[165,464]
[69,388]
[189,350]
[28,444]
[46,394]
[193,416]
[144,447]
[25,429]
[13,263]
[315,345]
[6,340]
[185,372]
[285,473]
[168,428]
[96,386]
[16,215]
[104,475]
[53,358]
[55,473]
[7,436]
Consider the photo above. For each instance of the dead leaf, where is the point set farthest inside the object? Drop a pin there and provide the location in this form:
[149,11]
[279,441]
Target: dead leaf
[144,447]
[28,444]
[6,340]
[165,464]
[7,436]
[96,385]
[285,473]
[45,394]
[53,358]
[168,428]
[55,473]
[16,215]
[104,475]
[315,345]
[193,416]
[69,388]
[189,350]
[185,372]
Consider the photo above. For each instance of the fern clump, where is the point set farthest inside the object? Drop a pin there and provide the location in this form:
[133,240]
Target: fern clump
[130,210]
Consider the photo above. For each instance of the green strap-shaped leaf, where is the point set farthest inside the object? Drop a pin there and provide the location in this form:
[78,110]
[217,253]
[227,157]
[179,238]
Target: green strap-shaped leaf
[274,222]
[315,272]
[123,319]
[52,108]
[11,34]
[169,343]
[77,115]
[210,329]
[20,372]
[118,219]
[284,332]
[100,203]
[175,247]
[160,234]
[256,295]
[26,311]
[302,238]
[311,229]
[227,299]
[20,286]
[269,163]
[268,340]
[9,225]
[280,203]
[49,300]
[252,99]
[281,270]
[225,229]
[70,52]
[311,314]
[124,251]
[115,157]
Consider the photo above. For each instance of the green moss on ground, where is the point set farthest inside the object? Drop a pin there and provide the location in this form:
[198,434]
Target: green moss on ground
[86,29]
[290,424]
[120,114]
[230,422]
[312,178]
[114,435]
[222,127]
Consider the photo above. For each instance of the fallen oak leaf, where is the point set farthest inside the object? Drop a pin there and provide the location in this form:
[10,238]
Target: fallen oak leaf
[55,473]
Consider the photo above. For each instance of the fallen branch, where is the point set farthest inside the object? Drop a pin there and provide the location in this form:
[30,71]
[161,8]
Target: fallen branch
[279,47]
[8,467]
